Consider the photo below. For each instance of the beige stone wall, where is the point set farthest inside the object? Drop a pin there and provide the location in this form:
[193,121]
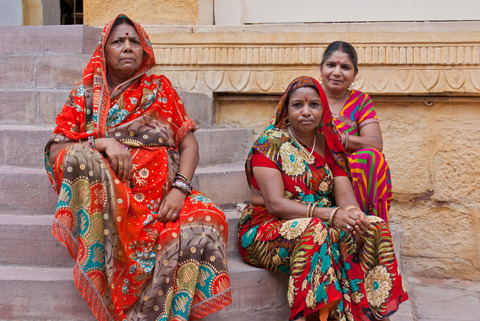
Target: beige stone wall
[425,82]
[146,12]
[32,12]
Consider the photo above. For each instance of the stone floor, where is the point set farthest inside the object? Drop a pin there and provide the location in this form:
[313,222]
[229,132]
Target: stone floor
[440,300]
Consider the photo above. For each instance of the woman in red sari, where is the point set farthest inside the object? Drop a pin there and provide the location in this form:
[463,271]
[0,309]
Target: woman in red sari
[304,220]
[146,246]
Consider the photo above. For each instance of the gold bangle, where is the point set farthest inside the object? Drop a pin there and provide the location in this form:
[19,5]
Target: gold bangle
[350,207]
[309,206]
[332,215]
[312,208]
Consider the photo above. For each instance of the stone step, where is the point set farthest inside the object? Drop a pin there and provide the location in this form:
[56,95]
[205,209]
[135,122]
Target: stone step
[40,293]
[42,71]
[67,39]
[23,188]
[24,145]
[28,240]
[40,106]
[31,106]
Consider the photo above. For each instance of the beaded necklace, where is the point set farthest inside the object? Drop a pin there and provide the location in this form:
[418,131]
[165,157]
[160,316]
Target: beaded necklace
[310,158]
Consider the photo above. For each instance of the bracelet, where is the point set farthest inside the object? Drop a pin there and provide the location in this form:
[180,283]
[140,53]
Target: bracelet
[181,176]
[187,189]
[91,142]
[351,207]
[346,141]
[310,208]
[332,215]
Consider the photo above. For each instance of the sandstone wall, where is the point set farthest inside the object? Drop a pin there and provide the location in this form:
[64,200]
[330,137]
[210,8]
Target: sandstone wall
[425,82]
[146,12]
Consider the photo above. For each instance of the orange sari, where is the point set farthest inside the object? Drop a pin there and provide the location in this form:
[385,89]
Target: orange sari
[128,264]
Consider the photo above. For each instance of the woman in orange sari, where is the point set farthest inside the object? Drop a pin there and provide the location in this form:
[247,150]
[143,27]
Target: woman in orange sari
[146,245]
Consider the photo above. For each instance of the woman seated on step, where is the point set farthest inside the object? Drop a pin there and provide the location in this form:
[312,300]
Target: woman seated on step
[303,219]
[121,159]
[356,120]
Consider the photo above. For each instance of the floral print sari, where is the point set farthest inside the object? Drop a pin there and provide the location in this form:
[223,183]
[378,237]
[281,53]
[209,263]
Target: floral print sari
[128,264]
[327,268]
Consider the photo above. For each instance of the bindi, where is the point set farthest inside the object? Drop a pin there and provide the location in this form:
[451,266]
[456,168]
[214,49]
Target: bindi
[338,61]
[127,34]
[305,98]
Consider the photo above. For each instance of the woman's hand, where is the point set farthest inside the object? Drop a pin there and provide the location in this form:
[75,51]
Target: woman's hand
[352,221]
[171,205]
[120,158]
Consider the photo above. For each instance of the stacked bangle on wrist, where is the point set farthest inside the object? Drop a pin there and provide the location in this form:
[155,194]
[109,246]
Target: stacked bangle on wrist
[332,215]
[310,208]
[346,142]
[183,183]
[187,189]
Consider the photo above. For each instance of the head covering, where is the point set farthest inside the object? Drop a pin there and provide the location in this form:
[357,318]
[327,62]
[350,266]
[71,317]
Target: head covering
[97,96]
[326,127]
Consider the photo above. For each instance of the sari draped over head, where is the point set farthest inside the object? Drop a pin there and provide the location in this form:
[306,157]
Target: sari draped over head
[128,264]
[329,271]
[372,182]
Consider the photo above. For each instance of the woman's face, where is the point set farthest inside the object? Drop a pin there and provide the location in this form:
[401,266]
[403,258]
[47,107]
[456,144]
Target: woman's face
[338,72]
[123,52]
[304,110]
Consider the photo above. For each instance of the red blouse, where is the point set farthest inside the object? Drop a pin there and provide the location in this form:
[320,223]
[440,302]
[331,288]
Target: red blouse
[259,160]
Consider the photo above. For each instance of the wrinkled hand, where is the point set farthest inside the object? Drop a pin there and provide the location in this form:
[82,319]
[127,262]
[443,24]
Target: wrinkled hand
[120,158]
[171,205]
[353,221]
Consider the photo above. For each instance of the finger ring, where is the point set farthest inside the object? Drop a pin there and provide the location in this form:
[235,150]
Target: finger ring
[348,227]
[174,214]
[120,163]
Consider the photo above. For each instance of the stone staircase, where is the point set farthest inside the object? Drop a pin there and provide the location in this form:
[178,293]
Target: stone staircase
[39,67]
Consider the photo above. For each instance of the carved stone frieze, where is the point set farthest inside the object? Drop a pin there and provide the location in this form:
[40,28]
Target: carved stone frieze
[373,80]
[264,60]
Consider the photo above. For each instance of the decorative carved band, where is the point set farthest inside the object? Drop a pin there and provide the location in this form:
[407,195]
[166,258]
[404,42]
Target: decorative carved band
[374,81]
[452,69]
[298,55]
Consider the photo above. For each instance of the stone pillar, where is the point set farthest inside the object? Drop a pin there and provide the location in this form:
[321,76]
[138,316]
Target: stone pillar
[145,12]
[229,12]
[51,12]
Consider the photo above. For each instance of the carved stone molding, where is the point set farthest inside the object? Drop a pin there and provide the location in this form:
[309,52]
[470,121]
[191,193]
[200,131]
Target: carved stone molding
[374,81]
[252,60]
[427,54]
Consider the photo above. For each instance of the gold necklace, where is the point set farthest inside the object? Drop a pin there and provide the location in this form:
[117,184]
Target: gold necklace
[310,158]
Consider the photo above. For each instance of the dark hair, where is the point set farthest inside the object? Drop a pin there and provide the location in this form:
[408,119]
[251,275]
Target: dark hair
[287,100]
[121,20]
[344,47]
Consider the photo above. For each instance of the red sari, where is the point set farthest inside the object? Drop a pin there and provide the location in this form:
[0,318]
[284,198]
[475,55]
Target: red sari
[128,264]
[326,266]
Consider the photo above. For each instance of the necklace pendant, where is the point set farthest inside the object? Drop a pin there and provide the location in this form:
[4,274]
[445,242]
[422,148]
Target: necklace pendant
[311,160]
